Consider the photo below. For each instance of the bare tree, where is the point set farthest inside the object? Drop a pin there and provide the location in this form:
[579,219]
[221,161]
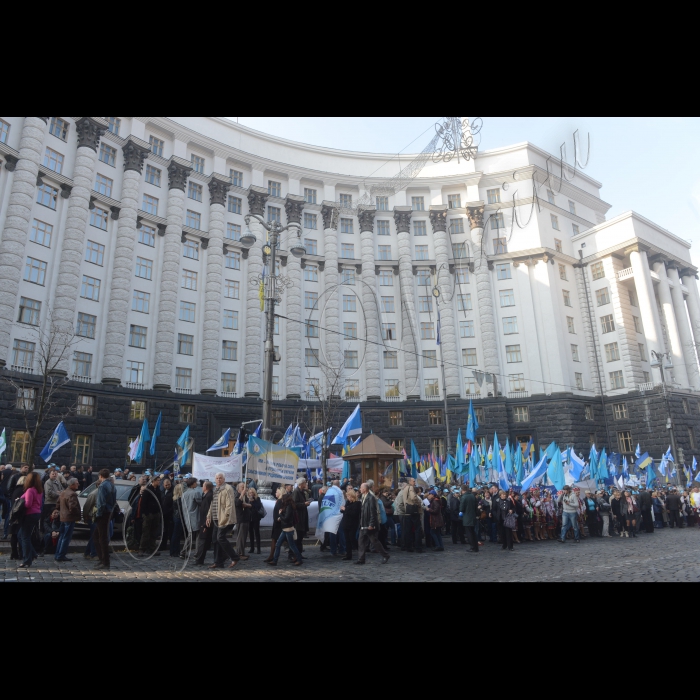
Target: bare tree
[38,400]
[329,398]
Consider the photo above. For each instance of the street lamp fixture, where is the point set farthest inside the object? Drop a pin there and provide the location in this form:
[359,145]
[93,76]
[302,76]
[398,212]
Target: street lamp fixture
[273,285]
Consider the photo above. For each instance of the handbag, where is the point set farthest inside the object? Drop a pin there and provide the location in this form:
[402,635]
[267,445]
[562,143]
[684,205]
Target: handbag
[511,522]
[412,510]
[19,511]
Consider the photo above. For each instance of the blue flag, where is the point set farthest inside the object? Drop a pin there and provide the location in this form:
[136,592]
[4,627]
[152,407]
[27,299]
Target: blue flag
[603,466]
[145,437]
[651,474]
[556,471]
[472,423]
[537,473]
[258,432]
[59,438]
[352,428]
[222,443]
[519,470]
[288,435]
[461,461]
[184,444]
[156,434]
[503,482]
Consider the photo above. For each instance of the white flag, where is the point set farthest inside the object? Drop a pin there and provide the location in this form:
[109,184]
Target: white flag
[3,442]
[133,449]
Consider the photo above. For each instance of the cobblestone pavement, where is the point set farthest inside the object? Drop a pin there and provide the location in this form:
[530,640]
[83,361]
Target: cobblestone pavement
[668,555]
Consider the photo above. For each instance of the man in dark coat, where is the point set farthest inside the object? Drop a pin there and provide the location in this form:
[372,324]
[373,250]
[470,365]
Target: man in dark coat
[205,533]
[646,505]
[369,527]
[301,503]
[467,507]
[457,522]
[673,506]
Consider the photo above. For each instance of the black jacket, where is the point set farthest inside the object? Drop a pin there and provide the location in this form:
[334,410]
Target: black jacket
[168,505]
[205,508]
[351,517]
[286,518]
[673,502]
[256,512]
[276,525]
[243,515]
[454,509]
[500,512]
[370,514]
[302,512]
[150,504]
[645,501]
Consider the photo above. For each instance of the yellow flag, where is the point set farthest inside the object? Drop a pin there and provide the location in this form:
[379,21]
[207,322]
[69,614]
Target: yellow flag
[262,296]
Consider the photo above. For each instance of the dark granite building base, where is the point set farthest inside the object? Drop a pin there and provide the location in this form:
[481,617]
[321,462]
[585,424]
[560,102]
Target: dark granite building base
[564,418]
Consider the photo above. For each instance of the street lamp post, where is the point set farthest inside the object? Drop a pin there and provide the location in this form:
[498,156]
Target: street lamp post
[663,361]
[273,286]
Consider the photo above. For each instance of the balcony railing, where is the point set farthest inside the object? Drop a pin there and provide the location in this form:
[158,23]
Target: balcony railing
[353,399]
[22,370]
[275,397]
[625,274]
[136,386]
[474,397]
[393,399]
[519,395]
[82,380]
[646,387]
[433,397]
[229,395]
[312,396]
[178,390]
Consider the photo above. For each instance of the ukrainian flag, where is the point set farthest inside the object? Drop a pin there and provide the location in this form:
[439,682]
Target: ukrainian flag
[644,461]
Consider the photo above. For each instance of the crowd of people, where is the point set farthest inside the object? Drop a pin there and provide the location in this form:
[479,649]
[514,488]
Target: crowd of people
[188,519]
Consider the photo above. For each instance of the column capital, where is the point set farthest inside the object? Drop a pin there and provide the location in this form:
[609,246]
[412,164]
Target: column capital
[10,162]
[330,213]
[257,199]
[90,130]
[402,217]
[178,172]
[438,218]
[45,119]
[366,217]
[476,216]
[135,153]
[219,185]
[294,206]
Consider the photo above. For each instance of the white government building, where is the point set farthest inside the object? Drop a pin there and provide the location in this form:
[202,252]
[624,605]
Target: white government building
[129,229]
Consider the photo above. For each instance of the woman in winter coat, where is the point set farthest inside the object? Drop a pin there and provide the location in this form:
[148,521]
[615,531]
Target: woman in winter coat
[276,526]
[437,522]
[33,491]
[616,504]
[15,527]
[502,508]
[352,512]
[628,510]
[287,521]
[255,519]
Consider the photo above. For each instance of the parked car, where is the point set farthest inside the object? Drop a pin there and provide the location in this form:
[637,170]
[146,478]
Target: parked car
[123,491]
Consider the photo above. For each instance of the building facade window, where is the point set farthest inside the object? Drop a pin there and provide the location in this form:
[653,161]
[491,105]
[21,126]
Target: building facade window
[620,411]
[521,414]
[617,380]
[624,441]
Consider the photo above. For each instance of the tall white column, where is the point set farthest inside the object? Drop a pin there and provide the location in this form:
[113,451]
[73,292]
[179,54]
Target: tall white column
[90,131]
[17,223]
[674,338]
[487,316]
[443,248]
[293,336]
[686,335]
[693,306]
[178,173]
[219,186]
[591,333]
[409,327]
[648,308]
[257,200]
[370,307]
[331,318]
[135,153]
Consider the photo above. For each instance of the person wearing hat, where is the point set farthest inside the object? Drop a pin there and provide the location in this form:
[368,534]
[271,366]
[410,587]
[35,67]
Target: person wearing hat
[569,501]
[436,520]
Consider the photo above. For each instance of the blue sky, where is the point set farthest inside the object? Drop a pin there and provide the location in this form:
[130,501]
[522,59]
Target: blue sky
[648,164]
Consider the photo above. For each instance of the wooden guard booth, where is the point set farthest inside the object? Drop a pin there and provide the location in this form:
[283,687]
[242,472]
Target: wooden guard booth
[375,460]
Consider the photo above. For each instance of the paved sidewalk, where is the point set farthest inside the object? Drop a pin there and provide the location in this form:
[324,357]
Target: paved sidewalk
[667,556]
